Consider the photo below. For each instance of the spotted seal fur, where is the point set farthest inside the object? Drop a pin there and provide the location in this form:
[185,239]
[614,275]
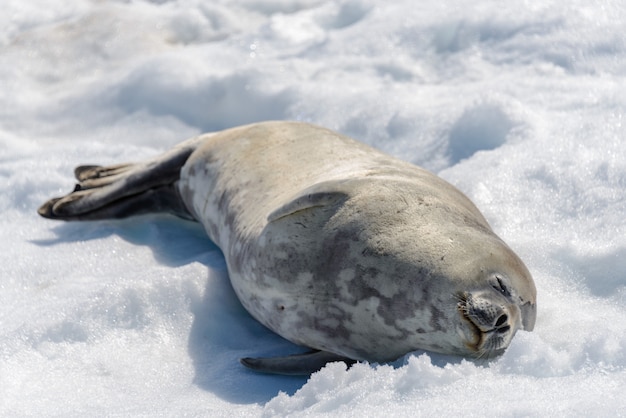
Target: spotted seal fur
[329,243]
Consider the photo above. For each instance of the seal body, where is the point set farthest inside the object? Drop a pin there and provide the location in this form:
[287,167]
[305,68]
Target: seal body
[330,243]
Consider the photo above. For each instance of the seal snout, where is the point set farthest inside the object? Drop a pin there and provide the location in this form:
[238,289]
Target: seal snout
[484,314]
[491,323]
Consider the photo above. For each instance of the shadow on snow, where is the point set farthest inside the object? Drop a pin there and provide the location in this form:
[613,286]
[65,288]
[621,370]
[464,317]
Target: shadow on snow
[222,331]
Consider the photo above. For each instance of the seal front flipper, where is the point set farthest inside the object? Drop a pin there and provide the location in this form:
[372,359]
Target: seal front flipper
[125,190]
[323,194]
[295,365]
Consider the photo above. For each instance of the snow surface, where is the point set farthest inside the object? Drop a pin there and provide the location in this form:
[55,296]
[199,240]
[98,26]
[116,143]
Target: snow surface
[520,104]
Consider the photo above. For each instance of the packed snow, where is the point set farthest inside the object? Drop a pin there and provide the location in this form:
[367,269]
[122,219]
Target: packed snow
[519,104]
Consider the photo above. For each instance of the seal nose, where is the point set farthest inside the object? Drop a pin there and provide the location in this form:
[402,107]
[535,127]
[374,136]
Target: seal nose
[502,325]
[487,316]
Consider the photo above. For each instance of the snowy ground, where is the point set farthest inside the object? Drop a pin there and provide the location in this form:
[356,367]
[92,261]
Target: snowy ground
[520,104]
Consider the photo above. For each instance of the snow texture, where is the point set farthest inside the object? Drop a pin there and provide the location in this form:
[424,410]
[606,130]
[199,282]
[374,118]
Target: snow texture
[519,104]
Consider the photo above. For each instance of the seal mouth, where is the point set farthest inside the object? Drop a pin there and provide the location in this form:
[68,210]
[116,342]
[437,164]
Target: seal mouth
[488,325]
[476,340]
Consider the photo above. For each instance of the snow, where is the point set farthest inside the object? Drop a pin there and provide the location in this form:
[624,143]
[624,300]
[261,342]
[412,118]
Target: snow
[519,104]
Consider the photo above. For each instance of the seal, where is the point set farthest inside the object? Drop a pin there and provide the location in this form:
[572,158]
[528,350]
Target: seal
[329,243]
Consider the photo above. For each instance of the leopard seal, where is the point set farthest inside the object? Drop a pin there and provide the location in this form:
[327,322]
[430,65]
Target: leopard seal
[329,243]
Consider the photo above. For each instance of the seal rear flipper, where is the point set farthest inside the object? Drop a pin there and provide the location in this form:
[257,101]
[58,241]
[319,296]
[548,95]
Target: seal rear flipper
[295,365]
[124,190]
[88,172]
[92,176]
[161,199]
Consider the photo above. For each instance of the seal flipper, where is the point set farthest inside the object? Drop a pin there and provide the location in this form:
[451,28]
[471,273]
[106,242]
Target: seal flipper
[125,190]
[161,199]
[89,172]
[322,194]
[295,365]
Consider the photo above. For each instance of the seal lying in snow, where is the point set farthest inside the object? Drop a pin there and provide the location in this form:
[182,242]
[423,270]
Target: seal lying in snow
[329,243]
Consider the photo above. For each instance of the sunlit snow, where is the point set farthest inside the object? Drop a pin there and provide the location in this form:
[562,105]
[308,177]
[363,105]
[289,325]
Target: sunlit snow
[519,104]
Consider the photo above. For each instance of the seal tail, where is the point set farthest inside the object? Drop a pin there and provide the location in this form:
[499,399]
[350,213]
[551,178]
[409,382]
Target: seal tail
[124,190]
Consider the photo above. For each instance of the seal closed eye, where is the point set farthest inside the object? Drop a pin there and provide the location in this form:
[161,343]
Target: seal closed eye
[329,243]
